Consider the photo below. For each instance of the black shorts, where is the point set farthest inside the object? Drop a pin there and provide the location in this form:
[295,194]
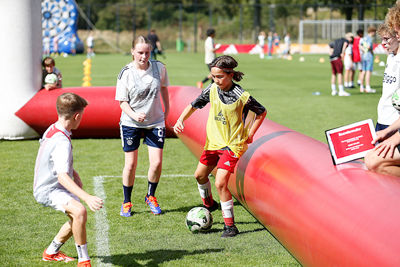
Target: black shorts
[131,136]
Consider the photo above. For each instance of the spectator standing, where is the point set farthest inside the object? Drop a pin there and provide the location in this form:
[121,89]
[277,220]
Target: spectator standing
[90,45]
[367,61]
[209,54]
[155,43]
[357,54]
[337,49]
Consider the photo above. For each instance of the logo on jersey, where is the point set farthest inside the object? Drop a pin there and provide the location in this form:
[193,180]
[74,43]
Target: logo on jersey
[220,117]
[388,79]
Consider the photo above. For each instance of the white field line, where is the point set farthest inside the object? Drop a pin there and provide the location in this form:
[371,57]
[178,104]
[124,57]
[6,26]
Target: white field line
[102,227]
[103,250]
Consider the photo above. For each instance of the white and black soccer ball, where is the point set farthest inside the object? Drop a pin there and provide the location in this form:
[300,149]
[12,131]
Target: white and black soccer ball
[51,78]
[396,99]
[199,219]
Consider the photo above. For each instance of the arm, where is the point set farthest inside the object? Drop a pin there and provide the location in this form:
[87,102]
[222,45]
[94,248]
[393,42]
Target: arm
[165,97]
[93,202]
[186,113]
[384,134]
[257,123]
[139,117]
[387,148]
[77,179]
[158,44]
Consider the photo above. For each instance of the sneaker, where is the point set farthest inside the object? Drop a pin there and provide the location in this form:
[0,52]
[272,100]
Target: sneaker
[126,209]
[334,92]
[344,93]
[59,256]
[84,264]
[370,90]
[230,231]
[199,85]
[213,207]
[153,204]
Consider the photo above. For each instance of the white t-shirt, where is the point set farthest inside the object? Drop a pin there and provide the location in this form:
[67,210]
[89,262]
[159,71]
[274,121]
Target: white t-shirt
[54,157]
[89,41]
[141,89]
[261,40]
[209,50]
[387,114]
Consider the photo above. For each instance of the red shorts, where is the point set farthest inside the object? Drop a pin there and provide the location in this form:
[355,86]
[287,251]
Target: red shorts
[223,159]
[337,66]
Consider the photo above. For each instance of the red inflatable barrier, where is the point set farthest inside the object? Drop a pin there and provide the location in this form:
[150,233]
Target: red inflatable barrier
[100,120]
[325,215]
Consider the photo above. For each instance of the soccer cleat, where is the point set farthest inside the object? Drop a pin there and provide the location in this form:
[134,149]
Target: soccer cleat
[370,90]
[230,231]
[213,207]
[59,256]
[344,93]
[199,85]
[84,264]
[126,209]
[334,92]
[153,204]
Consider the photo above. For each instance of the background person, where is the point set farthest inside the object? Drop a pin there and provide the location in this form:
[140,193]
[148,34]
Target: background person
[155,43]
[140,87]
[336,52]
[209,54]
[367,60]
[90,45]
[357,54]
[349,65]
[51,76]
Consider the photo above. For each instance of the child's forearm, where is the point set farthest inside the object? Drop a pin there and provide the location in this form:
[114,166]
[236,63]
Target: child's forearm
[65,180]
[257,123]
[186,113]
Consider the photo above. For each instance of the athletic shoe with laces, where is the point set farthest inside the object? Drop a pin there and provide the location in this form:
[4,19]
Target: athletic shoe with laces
[230,231]
[126,209]
[59,256]
[153,204]
[370,90]
[213,207]
[84,264]
[334,92]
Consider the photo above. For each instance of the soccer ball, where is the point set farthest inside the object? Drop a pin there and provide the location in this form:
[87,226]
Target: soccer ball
[396,99]
[50,78]
[199,219]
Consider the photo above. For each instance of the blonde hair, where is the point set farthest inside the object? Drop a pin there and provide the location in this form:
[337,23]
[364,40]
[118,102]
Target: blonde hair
[384,29]
[393,16]
[141,39]
[69,103]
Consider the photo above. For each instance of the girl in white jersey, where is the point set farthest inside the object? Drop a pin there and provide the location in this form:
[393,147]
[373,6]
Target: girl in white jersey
[227,136]
[140,87]
[385,157]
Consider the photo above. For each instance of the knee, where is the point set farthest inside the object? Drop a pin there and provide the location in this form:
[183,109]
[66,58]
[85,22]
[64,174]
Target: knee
[221,186]
[80,214]
[156,165]
[200,177]
[373,162]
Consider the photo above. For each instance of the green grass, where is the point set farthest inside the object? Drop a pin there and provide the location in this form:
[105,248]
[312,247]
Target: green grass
[284,87]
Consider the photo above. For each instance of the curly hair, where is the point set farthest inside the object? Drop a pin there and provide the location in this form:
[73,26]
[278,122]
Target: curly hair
[393,16]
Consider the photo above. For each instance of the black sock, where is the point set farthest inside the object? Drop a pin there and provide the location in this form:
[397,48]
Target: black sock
[127,193]
[205,80]
[151,191]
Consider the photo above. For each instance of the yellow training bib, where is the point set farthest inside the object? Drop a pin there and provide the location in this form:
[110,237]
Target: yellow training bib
[225,125]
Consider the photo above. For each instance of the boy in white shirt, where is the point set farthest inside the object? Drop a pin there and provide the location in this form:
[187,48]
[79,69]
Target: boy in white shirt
[58,185]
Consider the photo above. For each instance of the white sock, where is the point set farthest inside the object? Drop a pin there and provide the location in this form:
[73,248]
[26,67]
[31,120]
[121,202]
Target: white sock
[83,254]
[227,212]
[204,189]
[341,89]
[54,247]
[333,87]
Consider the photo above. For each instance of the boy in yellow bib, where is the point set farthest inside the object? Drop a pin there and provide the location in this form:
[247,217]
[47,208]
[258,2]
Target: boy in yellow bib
[227,136]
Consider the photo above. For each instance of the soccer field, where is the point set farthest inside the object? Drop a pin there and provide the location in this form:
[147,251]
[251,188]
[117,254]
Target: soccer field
[284,87]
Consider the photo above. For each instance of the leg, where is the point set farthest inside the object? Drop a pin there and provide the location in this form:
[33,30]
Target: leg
[64,233]
[221,183]
[154,173]
[78,214]
[390,166]
[204,186]
[128,173]
[53,253]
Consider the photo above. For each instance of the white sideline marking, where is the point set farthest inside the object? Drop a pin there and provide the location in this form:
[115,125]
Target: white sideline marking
[102,227]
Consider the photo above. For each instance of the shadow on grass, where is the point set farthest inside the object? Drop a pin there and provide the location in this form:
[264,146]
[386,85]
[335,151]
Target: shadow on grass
[152,257]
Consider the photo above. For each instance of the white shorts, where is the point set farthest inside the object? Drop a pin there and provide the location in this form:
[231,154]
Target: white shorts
[348,63]
[358,65]
[60,197]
